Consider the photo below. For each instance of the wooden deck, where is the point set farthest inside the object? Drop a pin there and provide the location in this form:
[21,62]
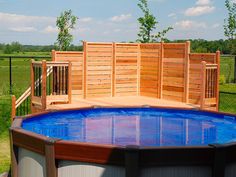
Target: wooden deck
[120,102]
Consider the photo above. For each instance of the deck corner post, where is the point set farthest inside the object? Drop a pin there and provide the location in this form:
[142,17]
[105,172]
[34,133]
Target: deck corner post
[51,166]
[186,73]
[132,161]
[203,85]
[53,55]
[13,107]
[44,85]
[69,82]
[218,80]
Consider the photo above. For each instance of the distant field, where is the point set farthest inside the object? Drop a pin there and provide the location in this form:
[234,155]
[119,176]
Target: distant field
[227,68]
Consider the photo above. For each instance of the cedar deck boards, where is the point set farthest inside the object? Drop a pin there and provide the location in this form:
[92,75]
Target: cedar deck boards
[129,101]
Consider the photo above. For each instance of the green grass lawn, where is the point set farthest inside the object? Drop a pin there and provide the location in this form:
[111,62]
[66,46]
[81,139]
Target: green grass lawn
[21,80]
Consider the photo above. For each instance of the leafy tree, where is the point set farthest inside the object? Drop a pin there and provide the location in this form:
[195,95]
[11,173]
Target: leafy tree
[65,22]
[148,23]
[230,24]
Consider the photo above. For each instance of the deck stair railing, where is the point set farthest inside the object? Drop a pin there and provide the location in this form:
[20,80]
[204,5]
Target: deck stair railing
[210,86]
[50,84]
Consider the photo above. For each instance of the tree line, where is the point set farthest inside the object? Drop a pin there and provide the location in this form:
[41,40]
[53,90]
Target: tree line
[197,45]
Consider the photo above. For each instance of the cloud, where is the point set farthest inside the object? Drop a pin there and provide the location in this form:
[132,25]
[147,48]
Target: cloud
[189,25]
[23,29]
[216,25]
[50,29]
[172,15]
[86,19]
[203,2]
[120,18]
[199,10]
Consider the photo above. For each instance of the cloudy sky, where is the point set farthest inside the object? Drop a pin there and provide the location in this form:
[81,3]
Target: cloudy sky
[33,21]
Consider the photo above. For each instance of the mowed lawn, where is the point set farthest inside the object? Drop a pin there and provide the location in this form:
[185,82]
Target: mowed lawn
[21,80]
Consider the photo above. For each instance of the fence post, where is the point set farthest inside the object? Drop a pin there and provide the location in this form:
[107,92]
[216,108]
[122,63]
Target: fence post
[218,80]
[186,73]
[10,75]
[13,107]
[235,69]
[69,82]
[203,85]
[44,84]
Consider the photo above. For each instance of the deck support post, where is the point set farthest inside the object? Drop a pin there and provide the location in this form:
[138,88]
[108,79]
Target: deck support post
[132,161]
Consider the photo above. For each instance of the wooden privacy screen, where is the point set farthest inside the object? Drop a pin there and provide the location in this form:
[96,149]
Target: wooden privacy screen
[126,66]
[77,60]
[149,70]
[160,70]
[98,59]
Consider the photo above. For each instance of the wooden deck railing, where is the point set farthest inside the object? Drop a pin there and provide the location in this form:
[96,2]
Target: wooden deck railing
[50,84]
[210,89]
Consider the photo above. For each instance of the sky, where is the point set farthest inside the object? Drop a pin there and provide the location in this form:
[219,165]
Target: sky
[34,21]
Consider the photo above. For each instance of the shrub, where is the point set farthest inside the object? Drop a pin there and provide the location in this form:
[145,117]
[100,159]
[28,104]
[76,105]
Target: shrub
[222,80]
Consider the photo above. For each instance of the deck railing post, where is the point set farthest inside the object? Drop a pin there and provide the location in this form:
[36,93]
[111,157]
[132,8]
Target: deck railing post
[69,82]
[203,85]
[44,84]
[13,107]
[218,80]
[186,73]
[53,55]
[32,83]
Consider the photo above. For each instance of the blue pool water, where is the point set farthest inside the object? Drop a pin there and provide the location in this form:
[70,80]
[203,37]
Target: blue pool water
[136,126]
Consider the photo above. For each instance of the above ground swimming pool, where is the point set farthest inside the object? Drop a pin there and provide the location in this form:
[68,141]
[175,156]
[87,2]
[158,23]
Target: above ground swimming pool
[124,142]
[136,126]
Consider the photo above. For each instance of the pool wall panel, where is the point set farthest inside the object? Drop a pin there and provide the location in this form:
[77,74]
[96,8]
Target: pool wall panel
[31,164]
[76,169]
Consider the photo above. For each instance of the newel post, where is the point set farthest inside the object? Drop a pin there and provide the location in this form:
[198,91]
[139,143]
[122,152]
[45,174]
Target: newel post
[44,84]
[13,107]
[203,85]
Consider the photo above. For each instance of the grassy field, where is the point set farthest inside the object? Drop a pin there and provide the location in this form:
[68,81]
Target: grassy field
[21,80]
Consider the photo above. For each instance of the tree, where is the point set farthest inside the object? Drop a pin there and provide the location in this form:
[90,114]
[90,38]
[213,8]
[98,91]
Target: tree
[148,23]
[230,24]
[65,22]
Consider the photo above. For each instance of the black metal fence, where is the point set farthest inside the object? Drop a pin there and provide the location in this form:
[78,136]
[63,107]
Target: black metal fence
[15,73]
